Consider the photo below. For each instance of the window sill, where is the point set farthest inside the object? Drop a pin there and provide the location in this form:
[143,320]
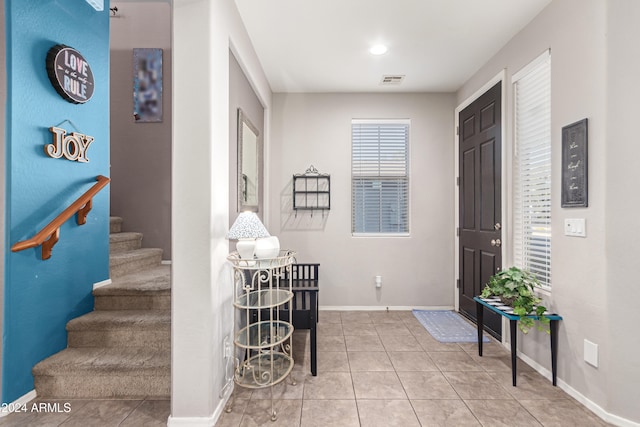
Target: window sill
[543,292]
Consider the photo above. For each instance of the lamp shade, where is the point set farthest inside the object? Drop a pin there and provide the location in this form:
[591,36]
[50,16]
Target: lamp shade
[247,226]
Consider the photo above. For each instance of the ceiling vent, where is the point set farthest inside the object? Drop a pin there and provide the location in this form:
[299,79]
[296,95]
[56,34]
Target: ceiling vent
[392,79]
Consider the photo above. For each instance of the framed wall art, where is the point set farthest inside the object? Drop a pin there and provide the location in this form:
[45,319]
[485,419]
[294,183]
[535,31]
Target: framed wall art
[147,85]
[574,165]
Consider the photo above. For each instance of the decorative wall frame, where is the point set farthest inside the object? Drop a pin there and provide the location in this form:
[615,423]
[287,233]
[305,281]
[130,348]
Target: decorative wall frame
[575,165]
[147,85]
[72,147]
[312,191]
[70,74]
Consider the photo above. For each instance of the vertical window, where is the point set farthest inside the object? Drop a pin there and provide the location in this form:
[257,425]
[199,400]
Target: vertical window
[532,172]
[380,176]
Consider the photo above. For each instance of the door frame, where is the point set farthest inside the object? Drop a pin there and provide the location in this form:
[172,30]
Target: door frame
[501,77]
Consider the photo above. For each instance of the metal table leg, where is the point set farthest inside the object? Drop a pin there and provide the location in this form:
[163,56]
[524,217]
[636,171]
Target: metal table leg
[514,333]
[480,324]
[553,327]
[313,332]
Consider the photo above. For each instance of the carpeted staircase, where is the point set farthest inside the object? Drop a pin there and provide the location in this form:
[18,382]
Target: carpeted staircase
[123,348]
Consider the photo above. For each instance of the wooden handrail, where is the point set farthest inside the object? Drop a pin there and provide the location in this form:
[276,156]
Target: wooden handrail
[48,236]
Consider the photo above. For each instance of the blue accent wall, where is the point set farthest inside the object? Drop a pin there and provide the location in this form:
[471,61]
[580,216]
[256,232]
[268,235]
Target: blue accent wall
[40,297]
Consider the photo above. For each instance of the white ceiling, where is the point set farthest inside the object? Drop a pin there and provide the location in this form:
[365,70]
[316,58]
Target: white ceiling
[323,45]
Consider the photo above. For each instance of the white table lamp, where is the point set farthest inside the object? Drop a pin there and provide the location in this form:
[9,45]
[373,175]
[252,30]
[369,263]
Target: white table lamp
[246,229]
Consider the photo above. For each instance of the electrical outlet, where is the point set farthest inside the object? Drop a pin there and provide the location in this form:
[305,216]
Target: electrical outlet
[378,281]
[591,353]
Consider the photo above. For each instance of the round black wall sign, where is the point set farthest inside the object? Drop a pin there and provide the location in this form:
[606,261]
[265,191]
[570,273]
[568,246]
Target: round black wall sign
[70,74]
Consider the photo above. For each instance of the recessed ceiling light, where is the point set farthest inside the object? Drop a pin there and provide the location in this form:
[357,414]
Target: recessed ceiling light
[378,49]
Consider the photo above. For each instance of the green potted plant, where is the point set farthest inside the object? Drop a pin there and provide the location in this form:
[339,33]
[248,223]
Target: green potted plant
[515,288]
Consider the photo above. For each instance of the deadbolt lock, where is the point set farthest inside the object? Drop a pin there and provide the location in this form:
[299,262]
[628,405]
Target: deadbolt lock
[496,242]
[497,226]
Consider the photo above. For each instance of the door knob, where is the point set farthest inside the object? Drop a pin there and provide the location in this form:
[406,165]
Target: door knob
[496,242]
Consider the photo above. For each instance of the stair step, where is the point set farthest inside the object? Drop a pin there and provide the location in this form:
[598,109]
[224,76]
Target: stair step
[115,224]
[145,290]
[123,348]
[124,241]
[122,263]
[128,328]
[104,373]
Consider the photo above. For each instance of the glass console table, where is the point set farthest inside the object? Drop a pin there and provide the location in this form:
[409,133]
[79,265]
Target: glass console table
[263,335]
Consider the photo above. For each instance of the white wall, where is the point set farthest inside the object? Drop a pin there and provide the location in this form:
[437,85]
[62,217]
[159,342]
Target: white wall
[201,279]
[140,152]
[242,95]
[316,129]
[623,204]
[576,31]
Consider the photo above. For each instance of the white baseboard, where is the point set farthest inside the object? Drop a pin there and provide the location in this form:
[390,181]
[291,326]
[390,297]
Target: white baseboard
[101,284]
[191,421]
[223,403]
[619,421]
[381,308]
[593,407]
[201,421]
[23,400]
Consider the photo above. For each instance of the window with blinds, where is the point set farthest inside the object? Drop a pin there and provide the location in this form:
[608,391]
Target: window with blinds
[380,176]
[532,171]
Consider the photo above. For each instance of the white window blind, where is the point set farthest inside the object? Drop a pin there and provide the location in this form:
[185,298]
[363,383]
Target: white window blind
[380,176]
[532,173]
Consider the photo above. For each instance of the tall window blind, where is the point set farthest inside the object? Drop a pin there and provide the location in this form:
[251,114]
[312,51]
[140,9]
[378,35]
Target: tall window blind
[380,176]
[532,174]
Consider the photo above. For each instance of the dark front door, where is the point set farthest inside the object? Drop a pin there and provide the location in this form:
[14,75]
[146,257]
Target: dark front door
[480,201]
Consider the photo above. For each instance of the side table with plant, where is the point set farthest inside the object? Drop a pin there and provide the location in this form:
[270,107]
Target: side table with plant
[515,287]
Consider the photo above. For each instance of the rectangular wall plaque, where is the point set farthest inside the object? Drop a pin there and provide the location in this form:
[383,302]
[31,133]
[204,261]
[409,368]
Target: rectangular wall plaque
[574,165]
[147,85]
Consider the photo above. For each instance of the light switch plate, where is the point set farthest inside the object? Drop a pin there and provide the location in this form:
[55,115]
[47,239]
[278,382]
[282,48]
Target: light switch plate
[575,227]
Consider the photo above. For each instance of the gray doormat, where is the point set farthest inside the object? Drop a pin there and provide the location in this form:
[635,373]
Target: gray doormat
[447,326]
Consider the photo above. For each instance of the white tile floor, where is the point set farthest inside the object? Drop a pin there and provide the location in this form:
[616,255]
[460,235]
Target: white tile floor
[384,369]
[90,413]
[374,369]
